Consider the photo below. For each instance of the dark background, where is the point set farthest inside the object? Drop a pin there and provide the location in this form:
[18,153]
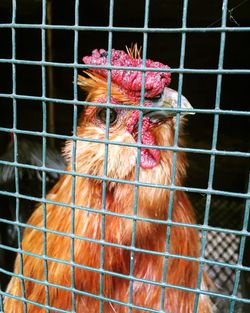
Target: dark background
[202,52]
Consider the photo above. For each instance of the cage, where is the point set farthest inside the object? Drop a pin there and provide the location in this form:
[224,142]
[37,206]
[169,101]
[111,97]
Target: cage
[207,46]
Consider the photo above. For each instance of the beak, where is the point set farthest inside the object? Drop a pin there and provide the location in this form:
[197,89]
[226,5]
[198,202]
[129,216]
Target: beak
[168,99]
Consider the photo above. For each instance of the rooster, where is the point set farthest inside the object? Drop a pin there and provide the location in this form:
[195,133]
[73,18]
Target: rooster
[81,269]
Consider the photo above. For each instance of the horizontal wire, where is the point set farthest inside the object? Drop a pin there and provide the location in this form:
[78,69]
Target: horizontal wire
[121,215]
[84,293]
[127,29]
[132,68]
[126,144]
[114,245]
[107,179]
[132,182]
[122,106]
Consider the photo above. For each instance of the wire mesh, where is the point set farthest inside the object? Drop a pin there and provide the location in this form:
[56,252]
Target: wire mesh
[229,242]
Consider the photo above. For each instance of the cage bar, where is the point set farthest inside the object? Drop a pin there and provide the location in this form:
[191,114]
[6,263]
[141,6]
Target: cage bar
[49,99]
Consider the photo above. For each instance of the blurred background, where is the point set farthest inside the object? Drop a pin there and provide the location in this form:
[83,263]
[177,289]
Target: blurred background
[202,52]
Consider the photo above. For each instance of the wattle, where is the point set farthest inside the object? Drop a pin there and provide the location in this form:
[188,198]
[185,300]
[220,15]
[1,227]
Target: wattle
[149,157]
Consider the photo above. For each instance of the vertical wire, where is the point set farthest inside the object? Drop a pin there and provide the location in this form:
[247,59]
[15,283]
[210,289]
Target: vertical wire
[73,162]
[137,174]
[211,171]
[50,73]
[1,299]
[105,164]
[214,144]
[174,158]
[1,296]
[19,237]
[241,252]
[44,148]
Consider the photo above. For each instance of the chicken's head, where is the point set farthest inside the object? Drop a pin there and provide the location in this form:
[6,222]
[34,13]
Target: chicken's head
[157,127]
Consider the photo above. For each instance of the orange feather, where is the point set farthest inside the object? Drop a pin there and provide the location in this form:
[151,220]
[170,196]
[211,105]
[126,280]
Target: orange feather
[152,203]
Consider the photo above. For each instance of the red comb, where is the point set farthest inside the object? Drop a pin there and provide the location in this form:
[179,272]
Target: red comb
[130,81]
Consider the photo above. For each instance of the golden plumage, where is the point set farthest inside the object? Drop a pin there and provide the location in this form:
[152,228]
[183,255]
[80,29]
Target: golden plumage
[152,203]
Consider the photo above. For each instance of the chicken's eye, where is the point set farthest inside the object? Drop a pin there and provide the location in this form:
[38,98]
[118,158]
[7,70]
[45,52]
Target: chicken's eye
[157,97]
[103,113]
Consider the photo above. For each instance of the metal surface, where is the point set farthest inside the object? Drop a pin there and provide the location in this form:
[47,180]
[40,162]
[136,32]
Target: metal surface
[233,297]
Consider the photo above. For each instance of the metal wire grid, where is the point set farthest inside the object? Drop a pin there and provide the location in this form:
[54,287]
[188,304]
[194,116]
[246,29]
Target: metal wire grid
[213,152]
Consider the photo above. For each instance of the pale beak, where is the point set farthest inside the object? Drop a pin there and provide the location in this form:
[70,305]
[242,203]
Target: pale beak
[168,99]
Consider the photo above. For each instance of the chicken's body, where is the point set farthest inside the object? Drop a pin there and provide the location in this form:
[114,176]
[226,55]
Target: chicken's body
[85,249]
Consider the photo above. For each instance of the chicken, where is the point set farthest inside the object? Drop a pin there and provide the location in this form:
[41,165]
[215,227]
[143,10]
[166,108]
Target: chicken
[74,260]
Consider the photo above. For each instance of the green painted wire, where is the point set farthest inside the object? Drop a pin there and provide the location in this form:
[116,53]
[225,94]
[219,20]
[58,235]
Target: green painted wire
[213,152]
[214,144]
